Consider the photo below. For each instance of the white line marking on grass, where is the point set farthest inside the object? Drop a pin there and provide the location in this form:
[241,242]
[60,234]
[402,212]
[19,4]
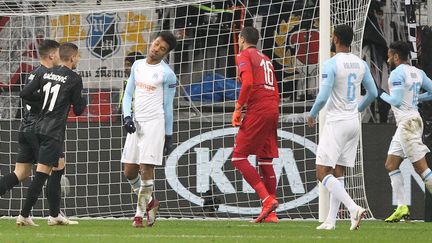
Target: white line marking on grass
[160,236]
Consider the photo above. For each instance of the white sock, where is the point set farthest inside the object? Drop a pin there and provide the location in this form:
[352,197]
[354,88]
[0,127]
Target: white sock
[338,191]
[144,197]
[427,178]
[135,184]
[334,204]
[398,186]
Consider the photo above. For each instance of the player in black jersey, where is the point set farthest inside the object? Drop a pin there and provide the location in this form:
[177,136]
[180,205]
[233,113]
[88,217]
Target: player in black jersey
[59,88]
[28,144]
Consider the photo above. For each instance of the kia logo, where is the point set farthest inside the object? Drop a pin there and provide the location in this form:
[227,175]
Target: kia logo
[207,169]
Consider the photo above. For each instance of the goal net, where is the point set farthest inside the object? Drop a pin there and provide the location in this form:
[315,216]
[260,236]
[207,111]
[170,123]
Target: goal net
[197,179]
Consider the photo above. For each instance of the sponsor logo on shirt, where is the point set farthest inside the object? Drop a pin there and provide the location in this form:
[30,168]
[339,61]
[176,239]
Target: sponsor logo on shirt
[31,77]
[397,83]
[172,86]
[146,87]
[155,76]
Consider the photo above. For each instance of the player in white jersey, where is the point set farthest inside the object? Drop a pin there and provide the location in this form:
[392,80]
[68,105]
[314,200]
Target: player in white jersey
[405,82]
[340,90]
[152,83]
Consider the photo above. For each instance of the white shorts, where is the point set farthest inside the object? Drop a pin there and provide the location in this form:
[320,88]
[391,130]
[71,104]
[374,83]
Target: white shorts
[338,143]
[407,140]
[145,145]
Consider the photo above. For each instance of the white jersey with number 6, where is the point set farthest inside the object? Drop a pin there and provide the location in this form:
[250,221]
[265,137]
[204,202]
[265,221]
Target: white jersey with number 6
[348,71]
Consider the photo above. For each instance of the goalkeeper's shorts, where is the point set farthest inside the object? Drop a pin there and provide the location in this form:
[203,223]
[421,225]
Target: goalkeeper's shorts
[258,135]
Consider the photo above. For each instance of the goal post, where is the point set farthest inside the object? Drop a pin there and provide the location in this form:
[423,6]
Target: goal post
[324,54]
[197,179]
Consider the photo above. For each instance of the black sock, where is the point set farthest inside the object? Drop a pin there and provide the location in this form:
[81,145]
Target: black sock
[33,193]
[53,191]
[8,182]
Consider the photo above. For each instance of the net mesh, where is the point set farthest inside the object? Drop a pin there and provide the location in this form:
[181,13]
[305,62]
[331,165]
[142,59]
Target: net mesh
[197,179]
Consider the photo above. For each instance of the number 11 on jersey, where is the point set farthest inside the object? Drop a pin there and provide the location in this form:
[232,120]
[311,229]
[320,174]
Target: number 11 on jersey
[47,89]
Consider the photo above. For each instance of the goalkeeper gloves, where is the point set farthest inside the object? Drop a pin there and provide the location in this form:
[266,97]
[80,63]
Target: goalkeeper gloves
[168,146]
[129,125]
[237,115]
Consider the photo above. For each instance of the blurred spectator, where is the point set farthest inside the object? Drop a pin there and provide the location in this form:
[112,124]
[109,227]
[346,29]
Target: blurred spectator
[375,51]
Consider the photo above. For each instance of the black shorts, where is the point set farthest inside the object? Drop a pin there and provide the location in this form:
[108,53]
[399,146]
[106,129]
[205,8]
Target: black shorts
[28,147]
[50,150]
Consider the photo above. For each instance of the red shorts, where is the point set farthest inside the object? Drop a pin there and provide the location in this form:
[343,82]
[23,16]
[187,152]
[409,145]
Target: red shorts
[258,135]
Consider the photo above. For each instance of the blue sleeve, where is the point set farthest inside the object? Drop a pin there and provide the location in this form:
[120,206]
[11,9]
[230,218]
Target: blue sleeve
[426,85]
[426,82]
[397,80]
[372,92]
[169,89]
[327,82]
[425,97]
[128,93]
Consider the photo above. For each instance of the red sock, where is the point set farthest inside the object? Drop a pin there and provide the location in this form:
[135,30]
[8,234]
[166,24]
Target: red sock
[268,175]
[251,176]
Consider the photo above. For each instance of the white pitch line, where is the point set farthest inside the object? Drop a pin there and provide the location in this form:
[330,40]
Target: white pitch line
[160,236]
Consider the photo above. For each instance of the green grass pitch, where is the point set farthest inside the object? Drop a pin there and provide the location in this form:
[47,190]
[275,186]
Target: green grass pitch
[214,231]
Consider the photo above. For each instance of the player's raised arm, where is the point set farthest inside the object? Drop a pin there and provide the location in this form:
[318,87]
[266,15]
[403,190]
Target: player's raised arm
[372,92]
[79,102]
[397,89]
[327,82]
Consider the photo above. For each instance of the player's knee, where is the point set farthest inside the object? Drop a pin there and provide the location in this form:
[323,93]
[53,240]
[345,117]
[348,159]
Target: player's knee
[390,166]
[339,171]
[420,166]
[322,171]
[130,175]
[22,174]
[60,165]
[238,160]
[319,176]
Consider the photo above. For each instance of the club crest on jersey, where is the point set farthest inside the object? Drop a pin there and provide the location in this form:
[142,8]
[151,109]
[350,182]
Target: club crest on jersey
[103,38]
[155,76]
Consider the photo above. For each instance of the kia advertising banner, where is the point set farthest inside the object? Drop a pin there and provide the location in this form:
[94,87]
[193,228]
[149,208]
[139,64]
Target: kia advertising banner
[198,179]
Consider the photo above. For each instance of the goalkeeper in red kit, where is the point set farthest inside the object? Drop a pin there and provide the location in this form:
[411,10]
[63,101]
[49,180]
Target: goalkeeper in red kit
[258,129]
